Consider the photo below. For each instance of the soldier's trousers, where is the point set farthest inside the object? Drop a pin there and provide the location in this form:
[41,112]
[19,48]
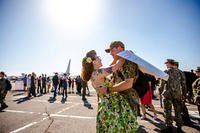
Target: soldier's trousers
[2,97]
[185,113]
[168,111]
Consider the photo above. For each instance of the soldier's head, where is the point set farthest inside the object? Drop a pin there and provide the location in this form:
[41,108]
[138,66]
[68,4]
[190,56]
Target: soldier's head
[115,47]
[198,71]
[170,63]
[2,74]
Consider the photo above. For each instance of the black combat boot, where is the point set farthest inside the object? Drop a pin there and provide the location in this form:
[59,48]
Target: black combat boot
[167,130]
[179,130]
[3,106]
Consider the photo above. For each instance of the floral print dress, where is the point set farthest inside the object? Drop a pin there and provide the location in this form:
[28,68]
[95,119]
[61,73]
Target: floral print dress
[114,112]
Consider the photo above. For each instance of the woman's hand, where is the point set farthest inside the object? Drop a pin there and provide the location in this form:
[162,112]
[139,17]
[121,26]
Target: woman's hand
[118,64]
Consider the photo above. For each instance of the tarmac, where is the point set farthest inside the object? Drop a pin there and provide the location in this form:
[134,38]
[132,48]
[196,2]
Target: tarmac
[41,114]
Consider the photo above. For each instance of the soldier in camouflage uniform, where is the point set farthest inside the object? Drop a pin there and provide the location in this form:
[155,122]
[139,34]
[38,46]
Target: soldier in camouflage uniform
[196,90]
[128,70]
[172,95]
[184,113]
[3,90]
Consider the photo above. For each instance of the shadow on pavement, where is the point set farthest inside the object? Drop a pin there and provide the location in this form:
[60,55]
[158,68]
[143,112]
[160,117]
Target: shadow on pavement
[141,130]
[21,100]
[161,113]
[159,124]
[194,118]
[18,94]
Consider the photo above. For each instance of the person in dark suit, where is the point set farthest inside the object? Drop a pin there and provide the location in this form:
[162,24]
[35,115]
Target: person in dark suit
[44,80]
[55,84]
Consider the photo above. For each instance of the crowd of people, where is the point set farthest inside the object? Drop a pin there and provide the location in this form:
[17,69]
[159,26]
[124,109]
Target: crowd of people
[122,89]
[40,85]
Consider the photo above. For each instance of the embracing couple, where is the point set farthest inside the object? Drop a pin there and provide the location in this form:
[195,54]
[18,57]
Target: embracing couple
[118,100]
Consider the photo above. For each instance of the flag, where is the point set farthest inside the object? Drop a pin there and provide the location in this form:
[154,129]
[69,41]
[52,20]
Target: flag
[144,66]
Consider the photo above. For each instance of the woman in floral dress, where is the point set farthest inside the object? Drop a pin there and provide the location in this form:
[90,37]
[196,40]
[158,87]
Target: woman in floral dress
[114,112]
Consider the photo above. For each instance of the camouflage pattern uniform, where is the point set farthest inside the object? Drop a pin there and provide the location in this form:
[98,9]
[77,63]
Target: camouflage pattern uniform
[185,113]
[183,83]
[128,70]
[172,94]
[196,92]
[3,91]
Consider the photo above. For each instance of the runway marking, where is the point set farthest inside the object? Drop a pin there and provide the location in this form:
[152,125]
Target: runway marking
[72,116]
[18,111]
[44,101]
[44,114]
[67,108]
[24,112]
[54,114]
[28,125]
[24,127]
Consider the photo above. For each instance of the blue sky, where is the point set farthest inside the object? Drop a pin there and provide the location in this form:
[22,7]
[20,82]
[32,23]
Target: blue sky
[42,36]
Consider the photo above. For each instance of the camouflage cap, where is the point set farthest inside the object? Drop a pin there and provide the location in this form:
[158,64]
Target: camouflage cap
[113,45]
[2,73]
[198,69]
[176,63]
[171,61]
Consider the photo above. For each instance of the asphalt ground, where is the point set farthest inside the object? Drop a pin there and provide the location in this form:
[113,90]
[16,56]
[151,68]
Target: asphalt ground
[41,114]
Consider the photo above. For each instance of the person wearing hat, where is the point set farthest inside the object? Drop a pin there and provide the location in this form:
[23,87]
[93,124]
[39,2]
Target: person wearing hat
[169,63]
[196,89]
[128,70]
[172,95]
[3,90]
[184,113]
